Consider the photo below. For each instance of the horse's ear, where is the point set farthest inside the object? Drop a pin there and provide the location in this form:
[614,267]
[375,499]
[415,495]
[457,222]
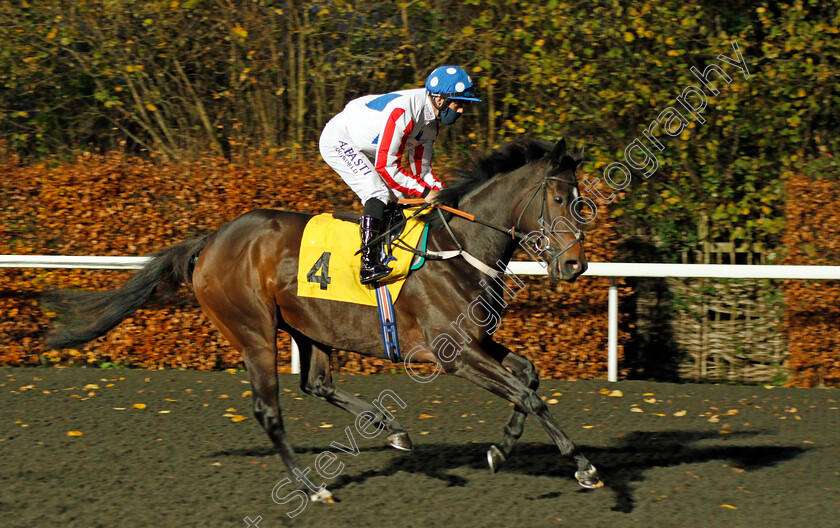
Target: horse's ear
[579,154]
[559,151]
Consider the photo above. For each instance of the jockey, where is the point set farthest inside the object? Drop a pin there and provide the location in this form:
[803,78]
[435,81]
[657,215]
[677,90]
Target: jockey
[365,144]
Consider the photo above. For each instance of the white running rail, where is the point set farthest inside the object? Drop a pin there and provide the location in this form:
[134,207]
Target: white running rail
[596,269]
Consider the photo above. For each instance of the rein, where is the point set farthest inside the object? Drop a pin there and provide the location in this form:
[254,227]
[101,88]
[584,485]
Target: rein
[457,212]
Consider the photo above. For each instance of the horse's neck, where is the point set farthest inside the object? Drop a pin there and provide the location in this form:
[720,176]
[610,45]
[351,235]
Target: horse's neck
[492,203]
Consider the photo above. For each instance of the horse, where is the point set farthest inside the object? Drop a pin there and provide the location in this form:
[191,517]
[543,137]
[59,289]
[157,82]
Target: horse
[244,277]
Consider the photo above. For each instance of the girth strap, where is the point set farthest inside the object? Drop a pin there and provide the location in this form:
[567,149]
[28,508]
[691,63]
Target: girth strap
[388,323]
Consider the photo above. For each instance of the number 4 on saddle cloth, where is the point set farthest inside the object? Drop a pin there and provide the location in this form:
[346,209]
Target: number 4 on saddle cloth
[329,266]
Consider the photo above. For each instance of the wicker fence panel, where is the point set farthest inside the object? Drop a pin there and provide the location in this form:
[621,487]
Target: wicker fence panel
[729,330]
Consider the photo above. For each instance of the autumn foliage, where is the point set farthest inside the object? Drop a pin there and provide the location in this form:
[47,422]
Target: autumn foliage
[812,308]
[116,205]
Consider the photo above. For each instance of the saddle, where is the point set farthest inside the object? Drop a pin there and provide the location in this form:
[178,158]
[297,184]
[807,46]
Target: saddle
[329,260]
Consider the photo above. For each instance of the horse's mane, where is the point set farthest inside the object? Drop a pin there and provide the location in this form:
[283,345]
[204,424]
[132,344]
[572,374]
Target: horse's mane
[504,159]
[483,168]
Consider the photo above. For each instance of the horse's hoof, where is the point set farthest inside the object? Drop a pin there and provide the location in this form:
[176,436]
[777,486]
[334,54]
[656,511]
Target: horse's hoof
[323,496]
[400,441]
[495,458]
[592,481]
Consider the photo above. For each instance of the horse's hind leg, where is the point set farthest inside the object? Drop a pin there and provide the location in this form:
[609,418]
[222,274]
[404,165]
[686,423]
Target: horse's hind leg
[316,379]
[523,369]
[251,328]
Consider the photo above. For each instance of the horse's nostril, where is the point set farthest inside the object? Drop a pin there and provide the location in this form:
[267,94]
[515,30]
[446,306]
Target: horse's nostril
[573,264]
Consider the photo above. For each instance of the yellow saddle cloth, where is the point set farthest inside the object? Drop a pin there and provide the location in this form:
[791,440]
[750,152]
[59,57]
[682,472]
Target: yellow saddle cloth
[329,269]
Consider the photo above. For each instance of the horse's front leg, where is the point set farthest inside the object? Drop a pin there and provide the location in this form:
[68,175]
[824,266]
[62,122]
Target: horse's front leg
[524,370]
[316,380]
[476,365]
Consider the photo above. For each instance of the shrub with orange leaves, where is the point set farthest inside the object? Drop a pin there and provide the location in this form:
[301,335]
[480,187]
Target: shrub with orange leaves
[812,308]
[113,205]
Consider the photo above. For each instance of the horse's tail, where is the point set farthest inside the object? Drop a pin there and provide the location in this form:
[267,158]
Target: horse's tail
[82,316]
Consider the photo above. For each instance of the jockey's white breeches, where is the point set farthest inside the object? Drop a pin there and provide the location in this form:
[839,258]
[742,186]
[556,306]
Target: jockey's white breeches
[354,167]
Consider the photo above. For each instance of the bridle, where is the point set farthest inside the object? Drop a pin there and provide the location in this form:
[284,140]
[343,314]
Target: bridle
[541,189]
[543,243]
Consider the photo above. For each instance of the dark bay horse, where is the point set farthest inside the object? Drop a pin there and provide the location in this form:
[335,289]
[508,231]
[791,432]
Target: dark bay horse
[245,278]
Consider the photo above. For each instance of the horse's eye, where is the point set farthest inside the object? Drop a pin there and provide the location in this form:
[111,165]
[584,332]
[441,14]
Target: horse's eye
[559,199]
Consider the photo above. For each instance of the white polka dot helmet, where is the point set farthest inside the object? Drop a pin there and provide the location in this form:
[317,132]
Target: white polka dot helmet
[451,82]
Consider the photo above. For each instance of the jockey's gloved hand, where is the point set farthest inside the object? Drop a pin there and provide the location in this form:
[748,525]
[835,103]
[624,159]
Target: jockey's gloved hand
[432,197]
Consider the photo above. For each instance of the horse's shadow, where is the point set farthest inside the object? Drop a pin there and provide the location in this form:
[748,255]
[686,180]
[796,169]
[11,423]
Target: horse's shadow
[620,465]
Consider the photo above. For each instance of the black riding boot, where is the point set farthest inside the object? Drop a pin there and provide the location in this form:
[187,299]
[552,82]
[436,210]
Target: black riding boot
[372,267]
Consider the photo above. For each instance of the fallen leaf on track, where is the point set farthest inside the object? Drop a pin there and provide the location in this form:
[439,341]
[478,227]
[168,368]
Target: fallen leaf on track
[139,405]
[553,401]
[74,433]
[636,409]
[680,413]
[729,506]
[425,415]
[239,418]
[616,394]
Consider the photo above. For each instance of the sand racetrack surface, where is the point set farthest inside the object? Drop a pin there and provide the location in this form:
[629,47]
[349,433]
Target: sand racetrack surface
[181,448]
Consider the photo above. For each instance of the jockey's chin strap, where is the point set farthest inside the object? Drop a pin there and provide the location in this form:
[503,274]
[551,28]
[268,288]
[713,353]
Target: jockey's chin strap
[539,189]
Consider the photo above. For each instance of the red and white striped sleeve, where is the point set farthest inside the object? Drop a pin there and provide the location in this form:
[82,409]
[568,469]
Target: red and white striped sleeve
[421,162]
[392,141]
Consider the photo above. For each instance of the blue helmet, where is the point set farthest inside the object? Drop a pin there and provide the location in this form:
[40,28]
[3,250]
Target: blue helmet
[451,82]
